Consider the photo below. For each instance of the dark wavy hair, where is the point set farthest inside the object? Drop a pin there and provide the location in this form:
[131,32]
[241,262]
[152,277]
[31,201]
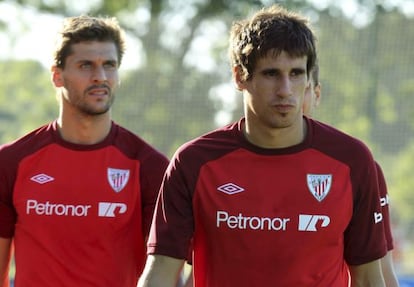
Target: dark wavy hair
[86,28]
[273,29]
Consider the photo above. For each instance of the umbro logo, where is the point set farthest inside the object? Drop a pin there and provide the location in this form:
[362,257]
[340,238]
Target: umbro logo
[230,188]
[42,178]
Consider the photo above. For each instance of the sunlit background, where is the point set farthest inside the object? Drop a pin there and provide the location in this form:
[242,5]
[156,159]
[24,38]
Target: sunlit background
[176,80]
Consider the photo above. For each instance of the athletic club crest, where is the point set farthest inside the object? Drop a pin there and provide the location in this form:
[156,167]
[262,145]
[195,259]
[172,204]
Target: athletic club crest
[118,178]
[319,185]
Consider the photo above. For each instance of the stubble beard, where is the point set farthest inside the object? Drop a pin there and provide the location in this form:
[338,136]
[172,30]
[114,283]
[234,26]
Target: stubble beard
[89,110]
[279,121]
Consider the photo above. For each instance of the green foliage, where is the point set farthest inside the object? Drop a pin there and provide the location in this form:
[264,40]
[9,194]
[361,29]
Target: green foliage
[26,99]
[367,79]
[153,105]
[402,183]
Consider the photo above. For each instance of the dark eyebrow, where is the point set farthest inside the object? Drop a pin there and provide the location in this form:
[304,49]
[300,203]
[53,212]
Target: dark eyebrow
[277,71]
[270,70]
[112,62]
[84,62]
[299,70]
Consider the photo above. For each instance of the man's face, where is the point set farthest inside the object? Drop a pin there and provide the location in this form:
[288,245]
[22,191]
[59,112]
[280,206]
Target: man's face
[273,96]
[312,97]
[89,78]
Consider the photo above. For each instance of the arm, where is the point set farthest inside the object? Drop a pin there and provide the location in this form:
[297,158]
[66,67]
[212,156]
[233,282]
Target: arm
[387,266]
[367,275]
[186,277]
[5,255]
[189,282]
[388,272]
[161,271]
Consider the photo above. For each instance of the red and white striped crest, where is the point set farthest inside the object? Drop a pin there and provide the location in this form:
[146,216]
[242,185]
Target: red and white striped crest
[118,178]
[319,185]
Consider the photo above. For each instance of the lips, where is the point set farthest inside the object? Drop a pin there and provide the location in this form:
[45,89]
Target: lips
[98,91]
[283,108]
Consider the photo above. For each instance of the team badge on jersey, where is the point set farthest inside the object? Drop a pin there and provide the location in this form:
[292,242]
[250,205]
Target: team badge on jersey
[319,185]
[118,178]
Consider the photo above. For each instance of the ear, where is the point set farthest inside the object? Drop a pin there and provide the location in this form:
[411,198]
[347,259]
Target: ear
[57,76]
[318,94]
[238,79]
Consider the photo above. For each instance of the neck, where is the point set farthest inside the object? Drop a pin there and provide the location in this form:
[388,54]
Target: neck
[265,137]
[86,130]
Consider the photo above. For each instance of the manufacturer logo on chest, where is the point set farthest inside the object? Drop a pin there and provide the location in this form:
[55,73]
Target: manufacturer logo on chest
[230,188]
[319,185]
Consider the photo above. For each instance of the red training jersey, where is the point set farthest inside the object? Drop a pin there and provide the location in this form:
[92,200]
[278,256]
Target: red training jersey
[79,214]
[294,216]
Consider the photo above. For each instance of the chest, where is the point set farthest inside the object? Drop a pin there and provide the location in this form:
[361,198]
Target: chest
[60,186]
[288,194]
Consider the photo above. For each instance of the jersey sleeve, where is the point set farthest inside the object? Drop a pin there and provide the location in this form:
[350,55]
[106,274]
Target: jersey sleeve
[172,226]
[7,211]
[385,207]
[364,237]
[152,171]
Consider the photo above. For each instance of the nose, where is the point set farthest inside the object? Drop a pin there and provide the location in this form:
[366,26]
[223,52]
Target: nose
[285,87]
[99,75]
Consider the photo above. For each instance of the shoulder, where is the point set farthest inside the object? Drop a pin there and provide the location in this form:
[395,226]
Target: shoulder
[323,130]
[27,144]
[14,153]
[211,145]
[134,146]
[337,143]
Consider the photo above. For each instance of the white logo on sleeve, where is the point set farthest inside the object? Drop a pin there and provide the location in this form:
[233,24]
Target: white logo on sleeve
[384,200]
[111,209]
[377,217]
[309,222]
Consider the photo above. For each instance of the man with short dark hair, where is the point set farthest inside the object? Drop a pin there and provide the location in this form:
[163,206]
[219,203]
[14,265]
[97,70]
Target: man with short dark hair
[77,195]
[275,199]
